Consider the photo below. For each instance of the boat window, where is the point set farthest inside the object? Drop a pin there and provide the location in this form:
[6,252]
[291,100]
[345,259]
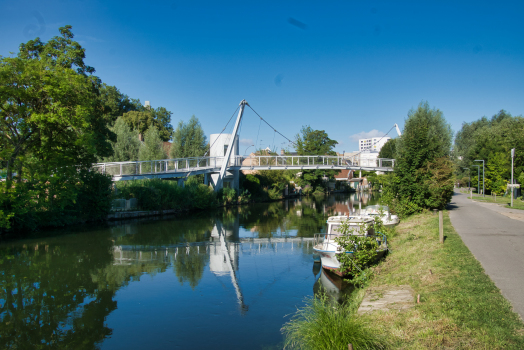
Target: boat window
[335,231]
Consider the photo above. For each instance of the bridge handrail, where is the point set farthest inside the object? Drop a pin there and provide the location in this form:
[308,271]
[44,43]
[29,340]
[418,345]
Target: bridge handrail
[145,167]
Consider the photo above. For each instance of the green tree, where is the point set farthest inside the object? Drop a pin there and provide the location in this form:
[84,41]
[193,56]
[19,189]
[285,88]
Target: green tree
[314,142]
[389,149]
[127,143]
[50,107]
[189,140]
[497,172]
[152,148]
[116,103]
[426,138]
[485,137]
[142,118]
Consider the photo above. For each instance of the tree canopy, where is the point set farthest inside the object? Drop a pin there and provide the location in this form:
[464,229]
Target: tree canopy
[144,117]
[491,140]
[189,140]
[423,170]
[127,144]
[389,149]
[50,107]
[152,148]
[314,142]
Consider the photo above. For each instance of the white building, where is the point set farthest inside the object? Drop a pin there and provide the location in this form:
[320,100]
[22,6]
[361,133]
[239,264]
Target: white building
[373,144]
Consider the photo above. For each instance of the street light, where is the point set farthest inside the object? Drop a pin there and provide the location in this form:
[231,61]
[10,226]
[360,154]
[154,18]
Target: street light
[478,177]
[469,179]
[483,182]
[245,152]
[511,188]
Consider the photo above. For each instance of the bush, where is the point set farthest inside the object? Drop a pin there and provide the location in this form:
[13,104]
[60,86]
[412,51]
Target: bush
[156,194]
[227,195]
[57,200]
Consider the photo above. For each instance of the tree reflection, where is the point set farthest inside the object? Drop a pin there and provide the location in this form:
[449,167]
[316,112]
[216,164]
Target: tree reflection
[56,292]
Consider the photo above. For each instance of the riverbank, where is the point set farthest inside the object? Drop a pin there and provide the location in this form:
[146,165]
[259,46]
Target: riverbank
[460,307]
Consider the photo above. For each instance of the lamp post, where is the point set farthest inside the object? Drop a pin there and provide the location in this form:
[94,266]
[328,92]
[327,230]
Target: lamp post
[511,187]
[478,177]
[245,152]
[483,182]
[469,178]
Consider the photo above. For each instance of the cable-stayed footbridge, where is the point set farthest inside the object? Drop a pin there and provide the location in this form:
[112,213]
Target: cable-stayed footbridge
[218,168]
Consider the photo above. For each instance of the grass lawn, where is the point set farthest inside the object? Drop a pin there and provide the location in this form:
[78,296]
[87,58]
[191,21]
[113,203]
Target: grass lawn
[504,201]
[460,308]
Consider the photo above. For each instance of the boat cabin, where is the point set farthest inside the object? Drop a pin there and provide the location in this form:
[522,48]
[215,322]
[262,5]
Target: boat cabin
[355,222]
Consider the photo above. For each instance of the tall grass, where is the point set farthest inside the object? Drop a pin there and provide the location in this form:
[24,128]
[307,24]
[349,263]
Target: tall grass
[324,325]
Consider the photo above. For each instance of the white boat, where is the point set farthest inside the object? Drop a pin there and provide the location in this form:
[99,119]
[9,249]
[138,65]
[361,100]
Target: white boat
[382,211]
[329,248]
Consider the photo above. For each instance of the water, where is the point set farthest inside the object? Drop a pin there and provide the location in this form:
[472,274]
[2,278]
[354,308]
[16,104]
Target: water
[226,279]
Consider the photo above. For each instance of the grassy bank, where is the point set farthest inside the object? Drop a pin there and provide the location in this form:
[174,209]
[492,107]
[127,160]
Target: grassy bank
[504,201]
[461,308]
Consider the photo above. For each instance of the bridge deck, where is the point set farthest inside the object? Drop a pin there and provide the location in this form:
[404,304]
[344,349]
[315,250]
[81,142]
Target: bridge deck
[177,168]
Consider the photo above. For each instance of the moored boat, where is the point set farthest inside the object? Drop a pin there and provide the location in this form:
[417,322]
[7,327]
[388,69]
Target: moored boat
[382,211]
[329,248]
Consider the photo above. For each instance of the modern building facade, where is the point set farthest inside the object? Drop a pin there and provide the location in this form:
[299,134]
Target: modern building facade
[372,144]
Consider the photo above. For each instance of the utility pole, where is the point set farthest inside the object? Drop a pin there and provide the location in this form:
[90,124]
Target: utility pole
[511,186]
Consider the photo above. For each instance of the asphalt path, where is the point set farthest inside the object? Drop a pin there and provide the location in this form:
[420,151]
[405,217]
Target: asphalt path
[495,236]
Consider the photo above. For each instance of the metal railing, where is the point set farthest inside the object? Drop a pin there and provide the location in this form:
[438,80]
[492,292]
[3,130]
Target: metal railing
[186,165]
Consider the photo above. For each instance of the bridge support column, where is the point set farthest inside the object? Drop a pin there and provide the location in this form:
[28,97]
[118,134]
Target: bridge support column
[206,179]
[181,182]
[236,180]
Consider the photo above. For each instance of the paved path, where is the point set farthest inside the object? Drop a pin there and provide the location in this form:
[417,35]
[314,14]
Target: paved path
[495,236]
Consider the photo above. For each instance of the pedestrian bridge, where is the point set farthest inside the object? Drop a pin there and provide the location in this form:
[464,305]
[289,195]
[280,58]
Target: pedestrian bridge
[184,167]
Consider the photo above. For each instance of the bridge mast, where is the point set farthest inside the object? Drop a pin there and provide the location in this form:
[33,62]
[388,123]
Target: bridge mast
[225,162]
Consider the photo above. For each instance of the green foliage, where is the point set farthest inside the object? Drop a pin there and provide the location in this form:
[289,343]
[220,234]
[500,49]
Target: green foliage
[389,150]
[422,153]
[250,183]
[363,249]
[153,146]
[156,194]
[485,138]
[322,325]
[145,117]
[438,182]
[227,195]
[116,103]
[314,142]
[57,200]
[497,172]
[189,140]
[127,144]
[49,109]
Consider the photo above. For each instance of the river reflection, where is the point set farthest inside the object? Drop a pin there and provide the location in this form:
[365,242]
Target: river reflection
[223,279]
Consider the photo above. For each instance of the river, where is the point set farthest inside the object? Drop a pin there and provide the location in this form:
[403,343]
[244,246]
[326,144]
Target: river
[222,279]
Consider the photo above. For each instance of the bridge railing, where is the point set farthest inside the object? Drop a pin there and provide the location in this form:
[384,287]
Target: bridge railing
[146,167]
[157,166]
[300,161]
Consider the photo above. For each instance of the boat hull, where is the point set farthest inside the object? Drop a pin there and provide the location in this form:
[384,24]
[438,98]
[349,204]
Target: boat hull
[329,260]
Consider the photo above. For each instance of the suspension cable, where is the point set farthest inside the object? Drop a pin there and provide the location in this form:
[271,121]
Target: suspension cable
[386,134]
[275,130]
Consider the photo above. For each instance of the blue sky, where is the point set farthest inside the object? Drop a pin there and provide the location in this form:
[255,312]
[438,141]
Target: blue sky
[351,68]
